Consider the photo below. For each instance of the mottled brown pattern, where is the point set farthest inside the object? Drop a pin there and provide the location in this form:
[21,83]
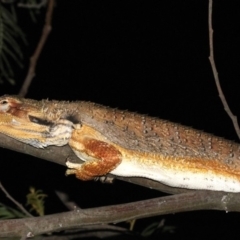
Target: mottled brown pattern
[104,157]
[147,134]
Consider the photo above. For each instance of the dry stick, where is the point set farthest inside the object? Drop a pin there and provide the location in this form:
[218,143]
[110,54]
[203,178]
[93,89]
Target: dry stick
[215,73]
[33,5]
[33,60]
[196,200]
[59,155]
[19,205]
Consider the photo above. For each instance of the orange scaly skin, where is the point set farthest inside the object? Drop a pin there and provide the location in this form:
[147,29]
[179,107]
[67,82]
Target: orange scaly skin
[124,143]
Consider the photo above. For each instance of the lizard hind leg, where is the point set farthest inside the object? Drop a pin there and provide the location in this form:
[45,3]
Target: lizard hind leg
[101,158]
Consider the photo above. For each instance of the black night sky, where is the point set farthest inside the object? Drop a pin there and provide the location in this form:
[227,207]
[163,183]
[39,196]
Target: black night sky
[145,56]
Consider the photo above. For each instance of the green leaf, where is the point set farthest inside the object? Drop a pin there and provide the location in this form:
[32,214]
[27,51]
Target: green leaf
[36,199]
[7,212]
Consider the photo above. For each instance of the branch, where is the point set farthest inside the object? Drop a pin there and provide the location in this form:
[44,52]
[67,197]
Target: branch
[196,200]
[33,60]
[39,5]
[215,73]
[59,155]
[19,205]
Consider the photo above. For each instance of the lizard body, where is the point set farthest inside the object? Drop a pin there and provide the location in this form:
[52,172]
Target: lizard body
[124,143]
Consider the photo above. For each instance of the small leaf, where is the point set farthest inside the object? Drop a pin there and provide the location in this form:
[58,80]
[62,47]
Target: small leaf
[36,199]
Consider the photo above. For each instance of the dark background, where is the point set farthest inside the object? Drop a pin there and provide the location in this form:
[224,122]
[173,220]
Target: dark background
[145,56]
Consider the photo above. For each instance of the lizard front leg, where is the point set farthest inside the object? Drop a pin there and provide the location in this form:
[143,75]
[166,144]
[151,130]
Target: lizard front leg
[100,156]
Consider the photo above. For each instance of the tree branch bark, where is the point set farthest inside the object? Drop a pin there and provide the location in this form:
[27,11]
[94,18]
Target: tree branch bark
[197,200]
[59,155]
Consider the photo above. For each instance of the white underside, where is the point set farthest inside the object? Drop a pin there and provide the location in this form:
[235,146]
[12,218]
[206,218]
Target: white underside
[176,178]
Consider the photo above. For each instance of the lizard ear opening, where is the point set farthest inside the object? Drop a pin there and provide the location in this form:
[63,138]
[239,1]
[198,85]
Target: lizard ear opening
[72,119]
[40,121]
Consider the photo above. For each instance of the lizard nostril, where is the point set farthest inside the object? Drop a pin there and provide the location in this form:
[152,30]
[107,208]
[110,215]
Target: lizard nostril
[4,102]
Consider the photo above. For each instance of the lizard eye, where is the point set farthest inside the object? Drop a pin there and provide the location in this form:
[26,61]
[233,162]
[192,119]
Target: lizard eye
[4,106]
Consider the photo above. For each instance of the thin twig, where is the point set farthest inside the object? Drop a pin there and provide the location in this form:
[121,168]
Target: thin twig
[39,5]
[19,205]
[64,198]
[33,60]
[215,73]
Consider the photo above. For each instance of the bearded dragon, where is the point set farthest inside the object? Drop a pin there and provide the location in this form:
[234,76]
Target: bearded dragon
[124,143]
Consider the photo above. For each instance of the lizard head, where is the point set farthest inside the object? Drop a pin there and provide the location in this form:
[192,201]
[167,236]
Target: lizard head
[26,109]
[24,120]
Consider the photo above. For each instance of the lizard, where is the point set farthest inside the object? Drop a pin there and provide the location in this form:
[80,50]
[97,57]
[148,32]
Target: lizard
[124,143]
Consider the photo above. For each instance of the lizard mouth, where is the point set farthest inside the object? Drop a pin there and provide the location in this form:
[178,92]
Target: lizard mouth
[40,121]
